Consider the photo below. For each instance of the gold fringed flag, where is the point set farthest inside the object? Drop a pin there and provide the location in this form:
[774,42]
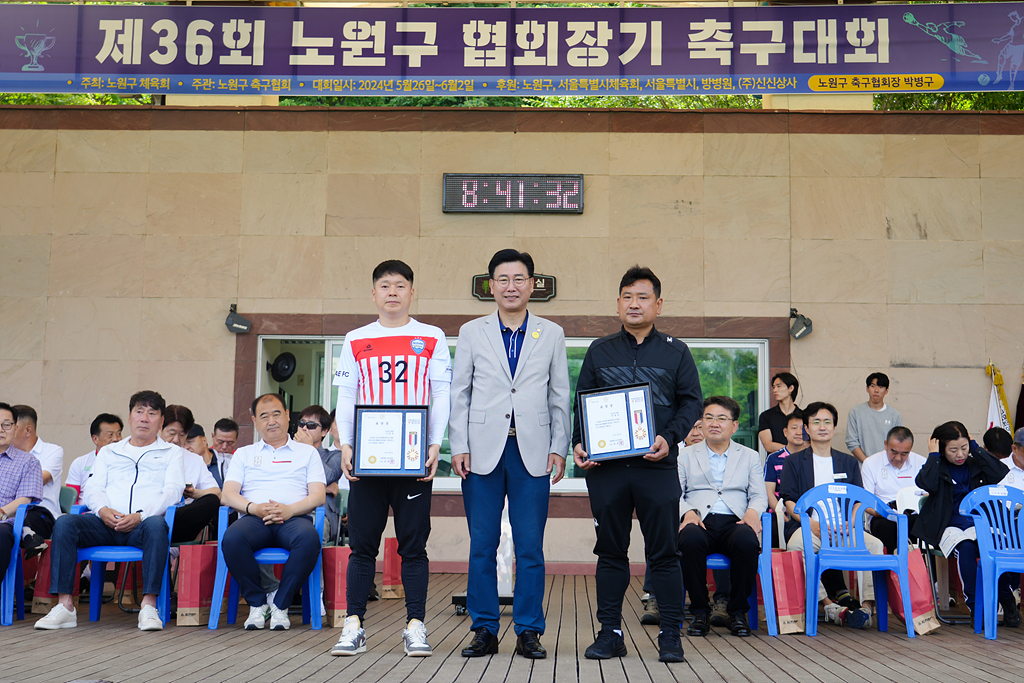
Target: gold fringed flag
[998,410]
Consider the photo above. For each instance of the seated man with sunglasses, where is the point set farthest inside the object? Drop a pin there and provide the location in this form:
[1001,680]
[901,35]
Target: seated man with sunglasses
[314,424]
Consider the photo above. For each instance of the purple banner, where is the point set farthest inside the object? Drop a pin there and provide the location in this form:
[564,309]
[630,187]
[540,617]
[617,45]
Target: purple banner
[510,51]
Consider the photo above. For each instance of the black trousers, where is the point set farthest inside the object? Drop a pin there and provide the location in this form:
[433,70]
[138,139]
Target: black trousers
[40,521]
[615,493]
[721,534]
[191,519]
[885,531]
[368,503]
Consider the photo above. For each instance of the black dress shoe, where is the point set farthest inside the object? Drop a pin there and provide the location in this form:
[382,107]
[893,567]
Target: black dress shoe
[698,624]
[484,643]
[738,625]
[528,645]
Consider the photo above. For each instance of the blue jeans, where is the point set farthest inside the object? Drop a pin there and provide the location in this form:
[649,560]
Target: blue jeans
[72,532]
[484,496]
[243,538]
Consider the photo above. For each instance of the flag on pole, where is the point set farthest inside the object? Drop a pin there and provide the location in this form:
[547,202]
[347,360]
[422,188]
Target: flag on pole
[998,411]
[1018,421]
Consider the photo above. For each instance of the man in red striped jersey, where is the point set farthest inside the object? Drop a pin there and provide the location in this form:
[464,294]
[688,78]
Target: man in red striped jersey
[394,361]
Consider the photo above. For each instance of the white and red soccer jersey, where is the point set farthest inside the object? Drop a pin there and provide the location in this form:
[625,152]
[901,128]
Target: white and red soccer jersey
[394,366]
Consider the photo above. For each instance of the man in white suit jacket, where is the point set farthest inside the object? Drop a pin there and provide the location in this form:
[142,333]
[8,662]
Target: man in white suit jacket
[723,498]
[509,429]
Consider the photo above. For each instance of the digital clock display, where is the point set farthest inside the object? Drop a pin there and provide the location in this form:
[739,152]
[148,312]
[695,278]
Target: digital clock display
[512,193]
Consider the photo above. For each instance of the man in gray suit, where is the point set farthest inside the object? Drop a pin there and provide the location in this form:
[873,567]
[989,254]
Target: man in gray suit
[509,430]
[723,498]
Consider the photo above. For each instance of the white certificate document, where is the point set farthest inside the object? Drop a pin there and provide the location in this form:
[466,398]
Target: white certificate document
[607,423]
[413,434]
[640,422]
[380,441]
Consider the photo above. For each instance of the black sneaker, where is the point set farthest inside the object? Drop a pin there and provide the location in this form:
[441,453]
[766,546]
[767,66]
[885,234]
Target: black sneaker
[33,544]
[848,601]
[670,646]
[698,624]
[1011,615]
[607,645]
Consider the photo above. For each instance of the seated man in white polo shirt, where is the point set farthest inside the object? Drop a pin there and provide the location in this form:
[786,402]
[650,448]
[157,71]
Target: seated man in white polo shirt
[276,483]
[885,473]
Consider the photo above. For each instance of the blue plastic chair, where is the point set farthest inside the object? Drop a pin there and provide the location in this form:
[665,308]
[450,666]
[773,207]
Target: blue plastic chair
[998,524]
[840,509]
[101,554]
[311,593]
[764,570]
[13,588]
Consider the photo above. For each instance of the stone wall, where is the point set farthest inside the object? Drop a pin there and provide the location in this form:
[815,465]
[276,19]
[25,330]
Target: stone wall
[127,233]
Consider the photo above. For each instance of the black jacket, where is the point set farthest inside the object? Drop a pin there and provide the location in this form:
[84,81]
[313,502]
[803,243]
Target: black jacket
[798,477]
[662,360]
[934,477]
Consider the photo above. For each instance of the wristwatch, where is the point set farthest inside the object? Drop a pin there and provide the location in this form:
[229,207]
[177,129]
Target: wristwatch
[3,515]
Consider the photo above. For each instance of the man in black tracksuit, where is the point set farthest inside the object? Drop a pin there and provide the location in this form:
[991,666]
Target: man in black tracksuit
[647,484]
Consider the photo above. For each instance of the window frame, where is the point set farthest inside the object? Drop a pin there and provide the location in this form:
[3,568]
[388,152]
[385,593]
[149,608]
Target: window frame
[574,485]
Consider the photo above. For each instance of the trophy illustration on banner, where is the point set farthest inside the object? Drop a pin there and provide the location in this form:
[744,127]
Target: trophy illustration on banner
[34,45]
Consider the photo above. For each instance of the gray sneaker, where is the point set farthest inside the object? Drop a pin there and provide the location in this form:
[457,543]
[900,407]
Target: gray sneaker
[720,613]
[352,640]
[651,615]
[414,637]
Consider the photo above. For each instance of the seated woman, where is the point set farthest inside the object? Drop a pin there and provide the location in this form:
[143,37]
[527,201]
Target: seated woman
[956,466]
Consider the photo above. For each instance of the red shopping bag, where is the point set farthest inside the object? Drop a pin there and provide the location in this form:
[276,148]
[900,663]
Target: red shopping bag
[42,600]
[336,584]
[789,585]
[922,603]
[392,582]
[197,570]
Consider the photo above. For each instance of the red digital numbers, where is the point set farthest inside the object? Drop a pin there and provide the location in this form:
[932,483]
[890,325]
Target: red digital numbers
[469,197]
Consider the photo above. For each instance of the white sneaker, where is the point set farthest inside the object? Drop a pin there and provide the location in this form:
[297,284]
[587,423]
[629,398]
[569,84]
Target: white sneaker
[414,637]
[352,640]
[833,612]
[279,620]
[149,619]
[257,617]
[59,617]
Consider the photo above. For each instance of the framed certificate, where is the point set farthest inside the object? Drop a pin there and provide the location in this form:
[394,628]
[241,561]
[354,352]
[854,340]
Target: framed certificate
[617,422]
[390,441]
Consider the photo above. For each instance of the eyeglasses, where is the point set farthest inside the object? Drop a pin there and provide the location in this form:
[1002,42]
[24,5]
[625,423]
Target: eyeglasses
[6,426]
[518,280]
[310,425]
[717,418]
[821,423]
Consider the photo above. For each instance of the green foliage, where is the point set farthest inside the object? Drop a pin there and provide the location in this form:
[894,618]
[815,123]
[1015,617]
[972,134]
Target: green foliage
[32,98]
[959,101]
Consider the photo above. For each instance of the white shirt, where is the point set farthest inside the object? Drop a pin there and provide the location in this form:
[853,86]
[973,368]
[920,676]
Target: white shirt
[1015,477]
[884,480]
[283,474]
[823,471]
[394,366]
[197,473]
[51,458]
[81,470]
[129,479]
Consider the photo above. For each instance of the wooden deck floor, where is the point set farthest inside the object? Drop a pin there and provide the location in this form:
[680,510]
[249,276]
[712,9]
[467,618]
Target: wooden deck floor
[114,650]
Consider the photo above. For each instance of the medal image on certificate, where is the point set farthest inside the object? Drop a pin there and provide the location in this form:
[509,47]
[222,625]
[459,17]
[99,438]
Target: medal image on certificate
[389,441]
[617,421]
